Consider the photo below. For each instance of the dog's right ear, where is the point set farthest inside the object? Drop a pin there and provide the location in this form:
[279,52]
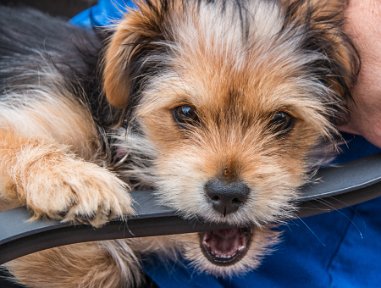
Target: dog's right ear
[137,36]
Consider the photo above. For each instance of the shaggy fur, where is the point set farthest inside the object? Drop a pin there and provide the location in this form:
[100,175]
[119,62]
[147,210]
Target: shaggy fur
[239,65]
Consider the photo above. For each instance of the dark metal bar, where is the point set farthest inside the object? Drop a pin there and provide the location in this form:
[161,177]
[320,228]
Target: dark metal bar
[335,188]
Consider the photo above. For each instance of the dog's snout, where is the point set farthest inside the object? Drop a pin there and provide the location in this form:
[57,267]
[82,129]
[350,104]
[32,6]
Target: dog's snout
[226,197]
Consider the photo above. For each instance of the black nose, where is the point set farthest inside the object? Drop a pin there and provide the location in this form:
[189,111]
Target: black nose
[226,197]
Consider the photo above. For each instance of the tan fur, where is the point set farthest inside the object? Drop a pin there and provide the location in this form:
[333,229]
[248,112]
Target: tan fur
[86,265]
[136,27]
[236,76]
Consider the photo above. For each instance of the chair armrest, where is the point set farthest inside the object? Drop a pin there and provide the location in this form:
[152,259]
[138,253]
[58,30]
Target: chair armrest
[342,186]
[334,188]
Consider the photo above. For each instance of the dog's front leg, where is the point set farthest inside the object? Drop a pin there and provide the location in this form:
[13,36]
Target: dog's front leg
[53,183]
[108,264]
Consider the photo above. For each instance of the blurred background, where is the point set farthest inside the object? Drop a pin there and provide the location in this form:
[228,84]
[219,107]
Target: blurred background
[63,8]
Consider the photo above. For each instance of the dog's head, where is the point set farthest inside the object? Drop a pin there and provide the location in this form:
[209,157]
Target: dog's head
[234,96]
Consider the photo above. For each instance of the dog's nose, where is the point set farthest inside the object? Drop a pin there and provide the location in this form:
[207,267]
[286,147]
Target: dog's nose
[226,197]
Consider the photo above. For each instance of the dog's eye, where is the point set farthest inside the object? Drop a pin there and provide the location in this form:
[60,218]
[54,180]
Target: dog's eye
[282,123]
[185,115]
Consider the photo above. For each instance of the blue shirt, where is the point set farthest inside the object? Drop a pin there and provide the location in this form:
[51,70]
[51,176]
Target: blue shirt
[337,249]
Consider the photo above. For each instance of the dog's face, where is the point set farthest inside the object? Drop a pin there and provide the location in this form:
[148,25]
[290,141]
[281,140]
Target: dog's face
[234,96]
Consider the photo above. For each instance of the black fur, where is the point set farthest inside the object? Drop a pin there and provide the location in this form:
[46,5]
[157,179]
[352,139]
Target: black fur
[26,45]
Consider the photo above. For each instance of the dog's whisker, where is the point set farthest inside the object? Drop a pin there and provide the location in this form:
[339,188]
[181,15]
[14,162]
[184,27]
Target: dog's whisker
[341,213]
[311,231]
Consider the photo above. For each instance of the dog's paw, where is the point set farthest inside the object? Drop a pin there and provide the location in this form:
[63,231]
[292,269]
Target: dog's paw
[73,190]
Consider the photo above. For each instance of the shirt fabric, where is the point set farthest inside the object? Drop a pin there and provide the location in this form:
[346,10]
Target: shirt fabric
[337,249]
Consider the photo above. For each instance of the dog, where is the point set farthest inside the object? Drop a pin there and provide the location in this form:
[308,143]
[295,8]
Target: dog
[224,108]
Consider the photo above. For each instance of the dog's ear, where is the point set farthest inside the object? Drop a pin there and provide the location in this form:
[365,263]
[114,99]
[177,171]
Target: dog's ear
[136,37]
[322,22]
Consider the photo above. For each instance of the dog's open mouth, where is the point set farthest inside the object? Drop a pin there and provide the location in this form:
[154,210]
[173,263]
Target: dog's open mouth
[226,246]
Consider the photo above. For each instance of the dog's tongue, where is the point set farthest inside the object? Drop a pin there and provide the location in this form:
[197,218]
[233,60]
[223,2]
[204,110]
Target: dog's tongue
[224,243]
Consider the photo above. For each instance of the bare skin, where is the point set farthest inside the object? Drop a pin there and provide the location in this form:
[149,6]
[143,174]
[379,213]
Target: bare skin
[363,25]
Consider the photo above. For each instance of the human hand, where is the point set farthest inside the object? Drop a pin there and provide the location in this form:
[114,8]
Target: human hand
[363,26]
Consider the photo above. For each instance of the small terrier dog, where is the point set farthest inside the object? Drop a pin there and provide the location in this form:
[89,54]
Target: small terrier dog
[222,107]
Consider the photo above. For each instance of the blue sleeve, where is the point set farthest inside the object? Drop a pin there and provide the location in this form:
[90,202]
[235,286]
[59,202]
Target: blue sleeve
[106,12]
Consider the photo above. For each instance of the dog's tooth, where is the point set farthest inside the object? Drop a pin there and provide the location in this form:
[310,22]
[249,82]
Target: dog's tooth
[241,248]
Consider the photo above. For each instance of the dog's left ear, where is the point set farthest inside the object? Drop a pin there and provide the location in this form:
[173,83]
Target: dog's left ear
[135,39]
[322,21]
